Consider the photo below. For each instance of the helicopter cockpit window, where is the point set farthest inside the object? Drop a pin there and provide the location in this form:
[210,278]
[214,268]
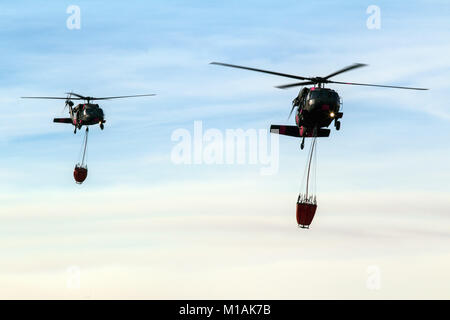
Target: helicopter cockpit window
[314,94]
[333,95]
[323,95]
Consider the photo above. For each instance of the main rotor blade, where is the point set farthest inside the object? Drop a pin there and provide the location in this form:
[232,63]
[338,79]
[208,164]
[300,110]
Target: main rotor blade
[59,98]
[80,97]
[261,70]
[353,66]
[119,97]
[375,85]
[295,84]
[76,95]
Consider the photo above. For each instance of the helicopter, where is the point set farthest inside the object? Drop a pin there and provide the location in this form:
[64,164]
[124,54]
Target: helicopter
[317,106]
[86,113]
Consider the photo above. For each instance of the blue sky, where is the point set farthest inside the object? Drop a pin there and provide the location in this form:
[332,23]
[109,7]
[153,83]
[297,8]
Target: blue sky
[139,218]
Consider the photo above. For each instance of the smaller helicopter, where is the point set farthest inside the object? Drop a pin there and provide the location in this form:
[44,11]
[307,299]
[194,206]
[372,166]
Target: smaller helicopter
[317,106]
[84,114]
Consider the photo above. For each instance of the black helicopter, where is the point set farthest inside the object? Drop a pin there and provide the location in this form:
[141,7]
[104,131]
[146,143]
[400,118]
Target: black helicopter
[84,114]
[317,106]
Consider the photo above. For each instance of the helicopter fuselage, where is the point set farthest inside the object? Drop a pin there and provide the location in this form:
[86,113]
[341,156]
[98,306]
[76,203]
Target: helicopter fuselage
[87,114]
[317,108]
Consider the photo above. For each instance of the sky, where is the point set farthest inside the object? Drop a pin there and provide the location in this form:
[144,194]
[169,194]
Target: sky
[145,227]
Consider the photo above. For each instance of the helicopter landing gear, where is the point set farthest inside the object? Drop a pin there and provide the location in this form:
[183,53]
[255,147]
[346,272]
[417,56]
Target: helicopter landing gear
[337,125]
[302,145]
[77,127]
[102,126]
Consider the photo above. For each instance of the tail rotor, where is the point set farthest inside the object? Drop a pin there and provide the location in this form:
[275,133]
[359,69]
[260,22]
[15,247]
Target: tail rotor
[292,110]
[69,103]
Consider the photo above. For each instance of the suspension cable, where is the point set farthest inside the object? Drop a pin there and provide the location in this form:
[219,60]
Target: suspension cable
[309,165]
[85,145]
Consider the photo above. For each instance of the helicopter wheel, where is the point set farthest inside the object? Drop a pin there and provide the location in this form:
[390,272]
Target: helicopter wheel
[337,125]
[102,126]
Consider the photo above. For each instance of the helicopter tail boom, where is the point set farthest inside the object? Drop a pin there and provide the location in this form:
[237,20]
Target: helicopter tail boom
[294,131]
[63,120]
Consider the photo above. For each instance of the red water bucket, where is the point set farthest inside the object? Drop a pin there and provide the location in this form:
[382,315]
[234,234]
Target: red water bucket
[80,174]
[305,214]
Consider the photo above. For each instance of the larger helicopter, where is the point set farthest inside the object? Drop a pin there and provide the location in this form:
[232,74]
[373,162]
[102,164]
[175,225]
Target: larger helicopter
[317,106]
[86,113]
